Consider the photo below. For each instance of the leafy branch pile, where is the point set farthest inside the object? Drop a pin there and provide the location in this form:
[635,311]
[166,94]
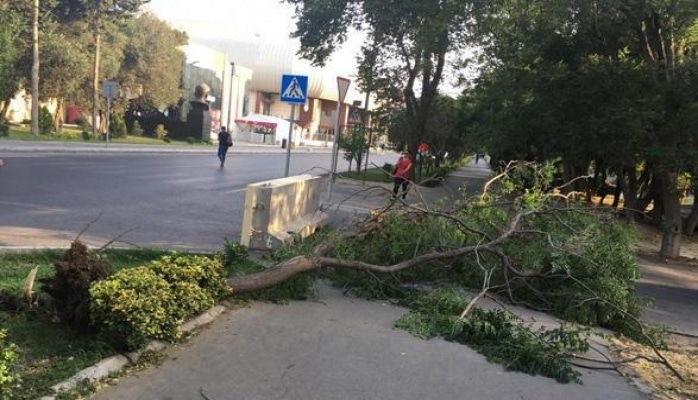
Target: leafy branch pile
[496,334]
[519,241]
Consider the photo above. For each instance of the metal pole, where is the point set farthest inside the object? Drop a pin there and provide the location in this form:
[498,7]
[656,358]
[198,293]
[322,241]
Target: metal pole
[368,144]
[335,151]
[108,118]
[290,137]
[230,95]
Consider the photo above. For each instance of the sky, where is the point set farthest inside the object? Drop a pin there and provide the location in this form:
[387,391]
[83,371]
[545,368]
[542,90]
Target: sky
[266,20]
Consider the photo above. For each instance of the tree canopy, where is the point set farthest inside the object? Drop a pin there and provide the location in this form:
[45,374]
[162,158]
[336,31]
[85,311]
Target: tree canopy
[405,54]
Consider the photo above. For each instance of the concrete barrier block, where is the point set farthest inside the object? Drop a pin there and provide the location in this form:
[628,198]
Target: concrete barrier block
[279,210]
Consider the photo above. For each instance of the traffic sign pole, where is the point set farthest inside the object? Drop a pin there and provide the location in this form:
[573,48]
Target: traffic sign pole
[294,90]
[342,89]
[290,138]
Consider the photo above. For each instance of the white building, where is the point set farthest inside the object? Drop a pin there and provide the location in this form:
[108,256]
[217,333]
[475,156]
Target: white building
[250,74]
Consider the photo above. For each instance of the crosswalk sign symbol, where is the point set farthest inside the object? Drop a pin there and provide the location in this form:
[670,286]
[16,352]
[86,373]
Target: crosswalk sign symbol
[294,88]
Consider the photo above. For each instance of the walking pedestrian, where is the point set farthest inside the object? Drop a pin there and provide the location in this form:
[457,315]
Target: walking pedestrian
[401,174]
[225,141]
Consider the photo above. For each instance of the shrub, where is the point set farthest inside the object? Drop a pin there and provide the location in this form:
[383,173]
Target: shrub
[191,140]
[9,377]
[136,130]
[166,140]
[83,124]
[160,132]
[202,271]
[86,136]
[150,302]
[117,126]
[4,129]
[45,120]
[69,287]
[388,167]
[133,306]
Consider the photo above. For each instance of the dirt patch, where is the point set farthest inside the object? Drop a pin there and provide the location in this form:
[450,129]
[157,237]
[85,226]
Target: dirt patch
[666,385]
[682,353]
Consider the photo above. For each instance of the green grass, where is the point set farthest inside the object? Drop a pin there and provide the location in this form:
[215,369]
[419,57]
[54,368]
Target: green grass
[50,352]
[372,175]
[72,135]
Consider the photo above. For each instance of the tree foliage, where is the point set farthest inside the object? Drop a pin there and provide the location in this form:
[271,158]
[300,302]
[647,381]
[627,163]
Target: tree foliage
[152,59]
[405,54]
[11,41]
[609,85]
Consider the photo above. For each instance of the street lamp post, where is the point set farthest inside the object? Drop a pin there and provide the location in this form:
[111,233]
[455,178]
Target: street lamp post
[230,95]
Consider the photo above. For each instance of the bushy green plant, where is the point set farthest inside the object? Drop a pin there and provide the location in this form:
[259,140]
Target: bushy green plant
[134,306]
[86,136]
[9,377]
[4,129]
[136,130]
[160,132]
[117,126]
[166,140]
[191,140]
[205,272]
[83,124]
[45,120]
[150,302]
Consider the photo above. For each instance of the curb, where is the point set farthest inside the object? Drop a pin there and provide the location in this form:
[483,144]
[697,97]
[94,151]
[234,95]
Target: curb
[103,368]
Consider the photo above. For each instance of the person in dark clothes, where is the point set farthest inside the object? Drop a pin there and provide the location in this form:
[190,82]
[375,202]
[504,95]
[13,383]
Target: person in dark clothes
[225,141]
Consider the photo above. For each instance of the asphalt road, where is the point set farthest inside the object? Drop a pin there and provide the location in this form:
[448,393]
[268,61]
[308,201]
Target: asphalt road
[175,201]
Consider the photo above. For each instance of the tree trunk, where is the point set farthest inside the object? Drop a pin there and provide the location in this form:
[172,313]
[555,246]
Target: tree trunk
[630,193]
[95,78]
[671,238]
[35,69]
[59,117]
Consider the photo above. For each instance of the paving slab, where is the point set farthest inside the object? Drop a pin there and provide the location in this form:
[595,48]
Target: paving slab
[337,347]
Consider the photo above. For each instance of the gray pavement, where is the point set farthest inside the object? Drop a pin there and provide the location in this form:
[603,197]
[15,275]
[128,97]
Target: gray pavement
[337,348]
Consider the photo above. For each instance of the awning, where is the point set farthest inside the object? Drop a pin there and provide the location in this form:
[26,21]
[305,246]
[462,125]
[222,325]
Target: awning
[258,120]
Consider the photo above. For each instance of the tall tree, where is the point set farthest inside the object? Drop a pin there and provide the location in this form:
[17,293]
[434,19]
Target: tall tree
[11,33]
[35,69]
[406,47]
[153,60]
[97,13]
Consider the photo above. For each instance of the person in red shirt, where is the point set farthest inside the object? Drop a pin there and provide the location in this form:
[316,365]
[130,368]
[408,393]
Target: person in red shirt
[401,174]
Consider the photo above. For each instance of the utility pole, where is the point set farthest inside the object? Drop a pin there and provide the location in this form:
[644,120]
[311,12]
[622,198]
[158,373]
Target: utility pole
[35,69]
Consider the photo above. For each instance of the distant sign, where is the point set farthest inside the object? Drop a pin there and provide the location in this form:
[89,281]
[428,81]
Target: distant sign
[356,116]
[294,89]
[110,89]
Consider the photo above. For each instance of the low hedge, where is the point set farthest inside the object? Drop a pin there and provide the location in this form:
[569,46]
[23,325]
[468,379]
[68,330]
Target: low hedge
[140,304]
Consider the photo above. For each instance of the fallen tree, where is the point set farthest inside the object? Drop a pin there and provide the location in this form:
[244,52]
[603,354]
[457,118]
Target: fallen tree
[519,241]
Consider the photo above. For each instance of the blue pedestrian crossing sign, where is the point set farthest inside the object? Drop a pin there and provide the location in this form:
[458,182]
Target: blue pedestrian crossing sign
[294,89]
